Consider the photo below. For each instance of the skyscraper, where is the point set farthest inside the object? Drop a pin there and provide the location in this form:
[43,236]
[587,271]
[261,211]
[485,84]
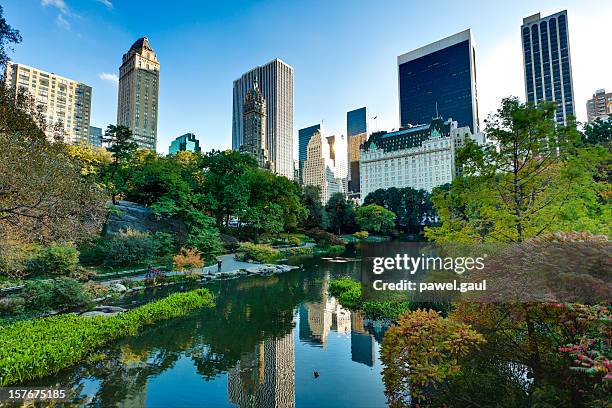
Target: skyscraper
[185,143]
[356,122]
[357,134]
[548,67]
[63,101]
[95,136]
[600,105]
[254,122]
[319,169]
[276,84]
[304,136]
[138,93]
[439,79]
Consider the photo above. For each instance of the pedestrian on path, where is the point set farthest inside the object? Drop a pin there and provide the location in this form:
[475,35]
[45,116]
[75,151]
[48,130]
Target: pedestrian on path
[219,262]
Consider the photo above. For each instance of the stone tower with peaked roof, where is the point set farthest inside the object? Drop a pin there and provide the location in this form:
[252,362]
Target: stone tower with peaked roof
[137,106]
[254,120]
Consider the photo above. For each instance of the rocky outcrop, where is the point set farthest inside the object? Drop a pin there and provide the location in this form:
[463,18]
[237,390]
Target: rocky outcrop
[128,215]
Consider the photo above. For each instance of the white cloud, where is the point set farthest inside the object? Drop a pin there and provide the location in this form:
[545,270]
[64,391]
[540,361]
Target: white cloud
[63,9]
[107,3]
[62,22]
[105,76]
[59,4]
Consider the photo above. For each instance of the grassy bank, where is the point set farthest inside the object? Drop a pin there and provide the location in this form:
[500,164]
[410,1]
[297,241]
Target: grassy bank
[35,348]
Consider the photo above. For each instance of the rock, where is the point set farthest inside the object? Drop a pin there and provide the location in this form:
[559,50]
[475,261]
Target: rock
[253,271]
[109,309]
[138,287]
[117,287]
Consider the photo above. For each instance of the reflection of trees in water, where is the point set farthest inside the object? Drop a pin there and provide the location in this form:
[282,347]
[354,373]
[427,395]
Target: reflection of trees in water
[247,312]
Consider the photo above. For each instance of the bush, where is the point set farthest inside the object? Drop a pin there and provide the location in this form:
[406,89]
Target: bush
[14,259]
[387,309]
[95,289]
[129,248]
[361,235]
[12,305]
[324,238]
[295,241]
[257,252]
[347,291]
[332,249]
[55,259]
[58,294]
[39,347]
[188,260]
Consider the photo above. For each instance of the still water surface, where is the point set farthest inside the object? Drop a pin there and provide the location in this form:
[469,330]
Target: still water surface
[270,341]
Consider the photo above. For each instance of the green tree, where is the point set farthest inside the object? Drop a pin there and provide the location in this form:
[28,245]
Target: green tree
[523,186]
[412,207]
[311,200]
[340,214]
[8,36]
[122,147]
[225,184]
[598,132]
[374,218]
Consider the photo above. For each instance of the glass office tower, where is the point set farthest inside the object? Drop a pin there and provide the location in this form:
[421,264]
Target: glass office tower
[439,80]
[548,67]
[356,122]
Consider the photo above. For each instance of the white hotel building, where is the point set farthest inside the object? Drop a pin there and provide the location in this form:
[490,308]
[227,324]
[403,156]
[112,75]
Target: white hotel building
[319,168]
[421,157]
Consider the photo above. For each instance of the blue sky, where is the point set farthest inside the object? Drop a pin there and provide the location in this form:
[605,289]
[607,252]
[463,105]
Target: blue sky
[343,52]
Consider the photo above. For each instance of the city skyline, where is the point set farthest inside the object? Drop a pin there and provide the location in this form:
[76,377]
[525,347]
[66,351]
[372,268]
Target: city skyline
[323,90]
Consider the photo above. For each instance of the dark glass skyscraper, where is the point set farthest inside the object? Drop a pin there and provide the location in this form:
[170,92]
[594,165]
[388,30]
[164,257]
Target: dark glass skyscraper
[548,67]
[356,122]
[304,136]
[439,79]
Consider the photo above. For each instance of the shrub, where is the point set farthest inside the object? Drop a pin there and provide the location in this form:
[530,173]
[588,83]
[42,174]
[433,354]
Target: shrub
[424,349]
[38,347]
[55,259]
[295,241]
[387,309]
[257,252]
[361,235]
[188,260]
[14,259]
[95,289]
[12,305]
[324,238]
[58,294]
[332,249]
[129,248]
[347,291]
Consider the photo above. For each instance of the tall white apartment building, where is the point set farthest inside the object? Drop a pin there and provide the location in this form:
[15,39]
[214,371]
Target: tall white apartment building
[421,157]
[62,100]
[276,83]
[319,169]
[138,93]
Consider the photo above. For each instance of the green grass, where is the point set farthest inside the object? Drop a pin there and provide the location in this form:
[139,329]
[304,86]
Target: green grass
[38,347]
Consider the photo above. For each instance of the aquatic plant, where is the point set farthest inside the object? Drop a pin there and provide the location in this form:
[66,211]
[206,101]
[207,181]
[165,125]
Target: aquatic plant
[38,347]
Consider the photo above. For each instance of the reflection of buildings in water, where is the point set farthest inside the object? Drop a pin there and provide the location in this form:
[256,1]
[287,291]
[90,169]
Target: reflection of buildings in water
[341,320]
[266,376]
[363,348]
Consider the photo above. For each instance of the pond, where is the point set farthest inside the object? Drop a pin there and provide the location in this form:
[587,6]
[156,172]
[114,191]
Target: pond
[270,341]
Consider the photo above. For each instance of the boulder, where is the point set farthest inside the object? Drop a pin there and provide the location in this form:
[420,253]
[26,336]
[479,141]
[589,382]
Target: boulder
[98,313]
[117,287]
[109,309]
